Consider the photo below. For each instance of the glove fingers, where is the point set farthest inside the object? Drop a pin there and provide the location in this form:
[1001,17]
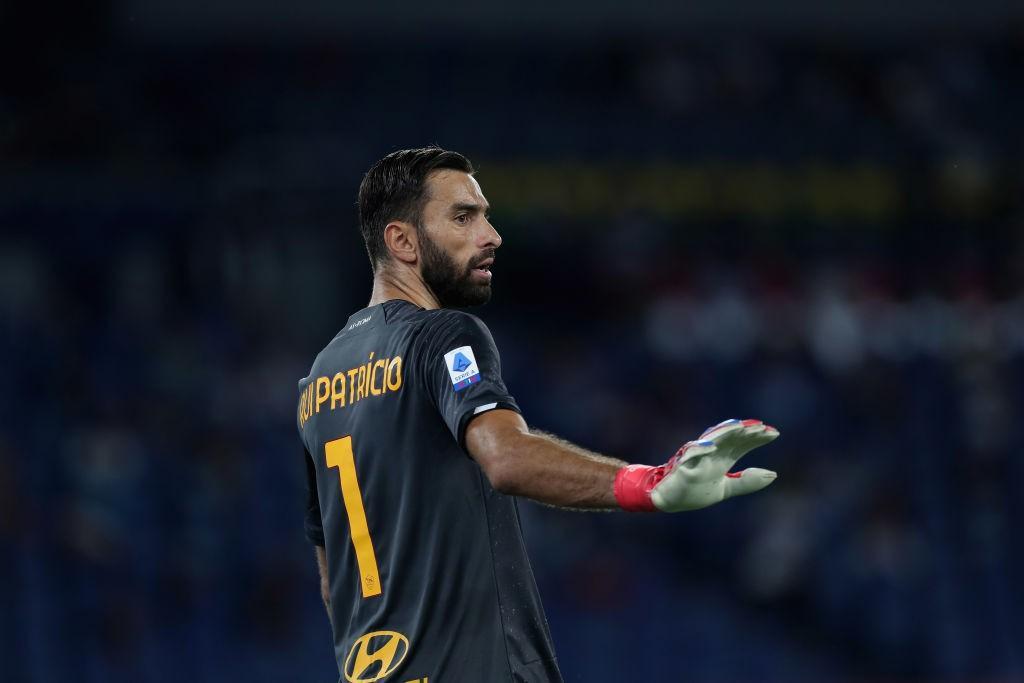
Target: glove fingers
[720,430]
[747,481]
[758,428]
[724,433]
[692,452]
[730,440]
[753,435]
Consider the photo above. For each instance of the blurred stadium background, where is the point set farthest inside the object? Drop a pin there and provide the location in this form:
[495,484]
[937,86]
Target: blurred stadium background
[813,216]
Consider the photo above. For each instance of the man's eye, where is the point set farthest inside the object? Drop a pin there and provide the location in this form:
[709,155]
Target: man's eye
[462,218]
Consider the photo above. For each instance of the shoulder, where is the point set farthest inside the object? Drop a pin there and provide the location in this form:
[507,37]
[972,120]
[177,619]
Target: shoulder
[452,319]
[449,321]
[445,326]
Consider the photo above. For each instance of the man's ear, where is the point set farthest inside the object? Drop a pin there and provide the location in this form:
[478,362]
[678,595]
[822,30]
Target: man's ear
[400,238]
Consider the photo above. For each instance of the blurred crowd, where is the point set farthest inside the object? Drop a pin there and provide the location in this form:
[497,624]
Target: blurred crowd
[179,241]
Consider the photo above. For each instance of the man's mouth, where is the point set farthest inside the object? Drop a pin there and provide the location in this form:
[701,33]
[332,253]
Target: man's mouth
[483,269]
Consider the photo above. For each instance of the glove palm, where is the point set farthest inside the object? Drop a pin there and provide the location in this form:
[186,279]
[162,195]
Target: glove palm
[698,474]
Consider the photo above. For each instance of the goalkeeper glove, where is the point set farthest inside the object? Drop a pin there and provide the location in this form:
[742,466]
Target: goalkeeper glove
[698,474]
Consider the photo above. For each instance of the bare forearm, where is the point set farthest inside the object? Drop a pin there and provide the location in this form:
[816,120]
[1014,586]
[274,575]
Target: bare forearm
[557,472]
[540,466]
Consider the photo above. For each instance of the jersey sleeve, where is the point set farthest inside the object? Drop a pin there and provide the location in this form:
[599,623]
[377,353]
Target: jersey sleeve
[314,522]
[463,371]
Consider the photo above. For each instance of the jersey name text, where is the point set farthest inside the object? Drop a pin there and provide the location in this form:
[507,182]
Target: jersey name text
[373,378]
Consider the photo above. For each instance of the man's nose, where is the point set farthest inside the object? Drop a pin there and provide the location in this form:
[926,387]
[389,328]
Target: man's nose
[489,237]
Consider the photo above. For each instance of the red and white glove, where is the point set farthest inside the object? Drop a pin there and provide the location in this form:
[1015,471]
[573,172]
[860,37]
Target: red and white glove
[698,474]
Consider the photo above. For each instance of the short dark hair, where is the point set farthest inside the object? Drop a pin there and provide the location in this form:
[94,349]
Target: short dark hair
[394,188]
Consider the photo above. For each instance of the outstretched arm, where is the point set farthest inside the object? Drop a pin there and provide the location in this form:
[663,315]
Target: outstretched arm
[540,466]
[549,470]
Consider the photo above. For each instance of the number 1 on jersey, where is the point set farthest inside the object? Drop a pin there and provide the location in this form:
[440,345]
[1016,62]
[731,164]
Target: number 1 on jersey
[339,454]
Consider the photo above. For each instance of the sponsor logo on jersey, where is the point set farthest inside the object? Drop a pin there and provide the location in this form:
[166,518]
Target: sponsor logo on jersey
[375,655]
[361,321]
[462,367]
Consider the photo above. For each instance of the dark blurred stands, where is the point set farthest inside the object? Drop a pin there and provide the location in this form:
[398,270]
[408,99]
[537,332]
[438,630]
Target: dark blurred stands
[179,241]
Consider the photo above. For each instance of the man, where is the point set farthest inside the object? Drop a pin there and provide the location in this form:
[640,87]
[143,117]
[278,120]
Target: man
[415,452]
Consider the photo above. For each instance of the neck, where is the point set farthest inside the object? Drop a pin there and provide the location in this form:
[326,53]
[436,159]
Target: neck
[407,285]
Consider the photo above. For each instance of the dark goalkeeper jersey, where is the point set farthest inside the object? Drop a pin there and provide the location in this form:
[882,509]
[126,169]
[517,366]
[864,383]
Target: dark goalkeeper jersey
[428,573]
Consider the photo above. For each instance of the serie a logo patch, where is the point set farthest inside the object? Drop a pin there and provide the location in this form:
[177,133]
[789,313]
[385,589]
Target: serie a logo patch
[462,367]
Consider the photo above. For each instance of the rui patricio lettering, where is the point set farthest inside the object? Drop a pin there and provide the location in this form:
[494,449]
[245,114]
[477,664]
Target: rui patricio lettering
[374,378]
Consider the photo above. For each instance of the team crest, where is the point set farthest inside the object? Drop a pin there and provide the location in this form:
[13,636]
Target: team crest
[462,367]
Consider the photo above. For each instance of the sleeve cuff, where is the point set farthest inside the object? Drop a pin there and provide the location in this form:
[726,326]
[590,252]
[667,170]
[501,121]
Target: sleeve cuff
[479,409]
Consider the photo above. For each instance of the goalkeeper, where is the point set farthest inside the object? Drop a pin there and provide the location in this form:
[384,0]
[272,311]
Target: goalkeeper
[415,453]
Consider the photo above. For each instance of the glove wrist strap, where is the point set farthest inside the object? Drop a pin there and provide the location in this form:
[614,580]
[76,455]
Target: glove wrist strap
[633,484]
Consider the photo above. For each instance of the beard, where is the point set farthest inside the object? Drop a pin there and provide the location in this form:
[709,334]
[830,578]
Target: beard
[451,283]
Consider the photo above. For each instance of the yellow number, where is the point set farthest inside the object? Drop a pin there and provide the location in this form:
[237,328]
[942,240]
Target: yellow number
[339,454]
